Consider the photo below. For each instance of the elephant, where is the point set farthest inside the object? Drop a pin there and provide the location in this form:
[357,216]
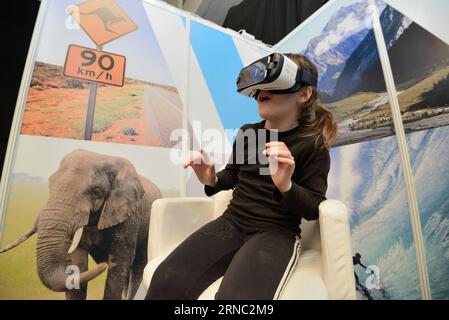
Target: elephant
[98,205]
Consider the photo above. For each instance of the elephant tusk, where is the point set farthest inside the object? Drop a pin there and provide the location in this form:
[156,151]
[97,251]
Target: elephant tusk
[19,241]
[76,240]
[92,274]
[84,277]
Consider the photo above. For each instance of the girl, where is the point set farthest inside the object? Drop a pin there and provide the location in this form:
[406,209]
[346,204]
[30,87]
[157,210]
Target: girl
[256,242]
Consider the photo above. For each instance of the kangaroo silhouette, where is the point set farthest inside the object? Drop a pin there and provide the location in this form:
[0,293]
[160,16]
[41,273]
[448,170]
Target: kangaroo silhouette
[106,16]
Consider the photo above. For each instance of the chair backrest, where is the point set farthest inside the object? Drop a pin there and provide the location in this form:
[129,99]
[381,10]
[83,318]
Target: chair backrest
[310,230]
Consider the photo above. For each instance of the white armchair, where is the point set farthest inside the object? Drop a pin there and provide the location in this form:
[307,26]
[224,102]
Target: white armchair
[324,270]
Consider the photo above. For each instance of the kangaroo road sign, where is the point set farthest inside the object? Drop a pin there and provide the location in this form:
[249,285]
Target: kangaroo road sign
[94,65]
[102,20]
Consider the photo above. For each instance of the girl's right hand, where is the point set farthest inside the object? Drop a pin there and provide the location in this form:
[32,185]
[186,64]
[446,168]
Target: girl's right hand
[204,167]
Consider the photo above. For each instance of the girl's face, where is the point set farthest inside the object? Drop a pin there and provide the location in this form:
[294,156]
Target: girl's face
[275,107]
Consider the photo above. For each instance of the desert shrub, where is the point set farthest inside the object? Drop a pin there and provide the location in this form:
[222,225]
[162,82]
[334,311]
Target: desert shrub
[74,84]
[129,131]
[36,84]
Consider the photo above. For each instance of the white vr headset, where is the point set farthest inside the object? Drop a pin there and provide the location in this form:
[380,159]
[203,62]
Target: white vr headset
[275,73]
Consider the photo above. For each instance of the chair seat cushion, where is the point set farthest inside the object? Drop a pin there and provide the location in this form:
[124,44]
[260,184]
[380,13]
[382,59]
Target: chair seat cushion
[305,283]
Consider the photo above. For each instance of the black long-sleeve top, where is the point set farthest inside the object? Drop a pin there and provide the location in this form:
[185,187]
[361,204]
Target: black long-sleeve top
[256,202]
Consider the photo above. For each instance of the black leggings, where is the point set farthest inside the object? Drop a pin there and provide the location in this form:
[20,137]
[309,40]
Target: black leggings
[255,265]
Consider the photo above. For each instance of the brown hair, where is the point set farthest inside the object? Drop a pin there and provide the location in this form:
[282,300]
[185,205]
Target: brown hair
[324,124]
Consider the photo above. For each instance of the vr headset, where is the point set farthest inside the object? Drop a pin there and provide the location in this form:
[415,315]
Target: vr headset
[275,73]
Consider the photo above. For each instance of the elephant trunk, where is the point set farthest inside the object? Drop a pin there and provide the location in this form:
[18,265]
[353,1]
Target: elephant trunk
[50,261]
[51,255]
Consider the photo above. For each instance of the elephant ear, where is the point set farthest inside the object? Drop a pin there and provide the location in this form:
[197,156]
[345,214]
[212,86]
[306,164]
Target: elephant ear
[124,199]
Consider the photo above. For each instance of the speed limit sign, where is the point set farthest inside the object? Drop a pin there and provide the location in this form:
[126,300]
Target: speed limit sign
[94,65]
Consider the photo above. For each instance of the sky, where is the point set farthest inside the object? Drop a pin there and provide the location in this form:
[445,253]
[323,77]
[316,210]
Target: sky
[144,58]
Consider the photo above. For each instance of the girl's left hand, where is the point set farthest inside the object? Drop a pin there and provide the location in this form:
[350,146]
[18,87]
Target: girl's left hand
[281,164]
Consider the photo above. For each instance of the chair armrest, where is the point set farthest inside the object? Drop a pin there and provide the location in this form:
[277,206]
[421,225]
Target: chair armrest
[336,247]
[174,219]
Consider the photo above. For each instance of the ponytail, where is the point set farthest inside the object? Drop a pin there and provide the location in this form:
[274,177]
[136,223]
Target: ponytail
[315,119]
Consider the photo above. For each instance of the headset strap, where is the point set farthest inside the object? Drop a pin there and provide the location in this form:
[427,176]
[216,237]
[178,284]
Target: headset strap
[305,76]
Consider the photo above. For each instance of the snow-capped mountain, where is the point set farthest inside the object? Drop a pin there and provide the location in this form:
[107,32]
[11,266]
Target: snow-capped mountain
[365,54]
[344,32]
